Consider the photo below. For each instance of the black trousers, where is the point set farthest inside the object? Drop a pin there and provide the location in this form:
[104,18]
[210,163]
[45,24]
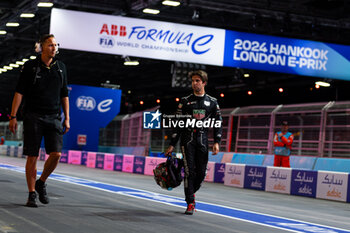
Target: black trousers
[195,159]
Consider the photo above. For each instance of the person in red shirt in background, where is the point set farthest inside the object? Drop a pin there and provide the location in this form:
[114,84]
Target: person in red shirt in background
[283,141]
[2,139]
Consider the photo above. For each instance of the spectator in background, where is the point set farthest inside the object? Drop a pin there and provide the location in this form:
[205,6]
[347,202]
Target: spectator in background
[2,139]
[283,141]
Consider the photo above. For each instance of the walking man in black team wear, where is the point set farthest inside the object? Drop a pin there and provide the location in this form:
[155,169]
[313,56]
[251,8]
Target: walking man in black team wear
[43,86]
[194,140]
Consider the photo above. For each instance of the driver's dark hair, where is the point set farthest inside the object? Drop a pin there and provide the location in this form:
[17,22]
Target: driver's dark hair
[200,73]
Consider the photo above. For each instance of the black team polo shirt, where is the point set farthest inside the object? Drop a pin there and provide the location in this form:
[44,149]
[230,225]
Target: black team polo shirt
[43,87]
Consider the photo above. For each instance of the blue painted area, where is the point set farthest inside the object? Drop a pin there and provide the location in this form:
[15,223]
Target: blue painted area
[304,183]
[91,108]
[157,154]
[13,143]
[216,158]
[302,162]
[250,159]
[331,60]
[329,164]
[268,160]
[224,211]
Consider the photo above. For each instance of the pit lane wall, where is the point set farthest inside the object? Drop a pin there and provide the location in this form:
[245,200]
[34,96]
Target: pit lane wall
[256,174]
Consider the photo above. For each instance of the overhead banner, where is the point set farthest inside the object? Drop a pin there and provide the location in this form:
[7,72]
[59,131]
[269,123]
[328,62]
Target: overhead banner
[137,37]
[178,42]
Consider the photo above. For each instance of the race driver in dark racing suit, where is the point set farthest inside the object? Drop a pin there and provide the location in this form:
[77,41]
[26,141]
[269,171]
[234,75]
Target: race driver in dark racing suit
[194,140]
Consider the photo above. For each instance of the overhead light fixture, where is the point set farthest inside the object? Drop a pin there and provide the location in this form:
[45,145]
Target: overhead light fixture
[171,3]
[150,11]
[32,57]
[129,62]
[8,67]
[3,70]
[14,65]
[27,15]
[25,59]
[250,92]
[246,75]
[280,89]
[12,24]
[20,63]
[3,32]
[323,84]
[45,4]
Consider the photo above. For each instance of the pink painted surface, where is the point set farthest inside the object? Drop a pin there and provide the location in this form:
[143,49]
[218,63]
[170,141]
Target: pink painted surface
[210,172]
[227,158]
[74,157]
[109,162]
[128,163]
[151,163]
[91,159]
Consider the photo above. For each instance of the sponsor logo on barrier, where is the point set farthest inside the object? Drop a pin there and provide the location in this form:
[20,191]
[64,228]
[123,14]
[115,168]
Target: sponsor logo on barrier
[332,185]
[255,177]
[219,172]
[278,180]
[234,175]
[304,183]
[100,158]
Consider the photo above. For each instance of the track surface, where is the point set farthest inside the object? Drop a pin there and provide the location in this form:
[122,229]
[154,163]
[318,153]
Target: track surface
[76,208]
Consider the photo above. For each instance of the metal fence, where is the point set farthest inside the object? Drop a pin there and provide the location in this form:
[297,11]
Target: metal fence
[5,131]
[320,129]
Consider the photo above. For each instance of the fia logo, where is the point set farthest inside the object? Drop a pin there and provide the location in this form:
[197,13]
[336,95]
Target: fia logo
[86,103]
[151,120]
[106,42]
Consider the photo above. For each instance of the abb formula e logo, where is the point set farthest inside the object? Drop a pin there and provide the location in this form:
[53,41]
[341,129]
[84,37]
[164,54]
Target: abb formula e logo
[88,103]
[106,32]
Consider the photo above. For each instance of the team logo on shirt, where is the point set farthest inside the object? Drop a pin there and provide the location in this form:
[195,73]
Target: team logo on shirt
[198,113]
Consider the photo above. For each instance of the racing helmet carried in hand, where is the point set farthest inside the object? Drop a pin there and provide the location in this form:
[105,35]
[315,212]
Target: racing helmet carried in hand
[168,174]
